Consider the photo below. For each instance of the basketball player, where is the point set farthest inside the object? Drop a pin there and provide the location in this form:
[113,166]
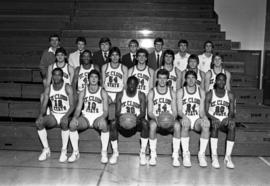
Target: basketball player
[93,103]
[60,95]
[206,58]
[193,62]
[143,72]
[191,109]
[133,101]
[81,73]
[219,105]
[175,74]
[216,68]
[181,58]
[61,62]
[163,99]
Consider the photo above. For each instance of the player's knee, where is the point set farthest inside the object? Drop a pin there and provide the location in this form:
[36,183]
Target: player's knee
[177,126]
[205,124]
[40,125]
[73,126]
[145,124]
[153,125]
[64,126]
[231,125]
[215,125]
[103,126]
[185,124]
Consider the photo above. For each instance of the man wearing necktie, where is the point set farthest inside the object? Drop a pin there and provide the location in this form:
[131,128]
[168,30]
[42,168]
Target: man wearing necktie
[74,58]
[101,57]
[129,59]
[156,56]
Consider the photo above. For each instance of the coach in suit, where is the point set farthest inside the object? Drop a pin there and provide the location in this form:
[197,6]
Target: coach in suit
[101,57]
[129,59]
[155,58]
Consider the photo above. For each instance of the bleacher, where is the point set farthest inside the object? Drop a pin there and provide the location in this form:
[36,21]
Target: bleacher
[24,31]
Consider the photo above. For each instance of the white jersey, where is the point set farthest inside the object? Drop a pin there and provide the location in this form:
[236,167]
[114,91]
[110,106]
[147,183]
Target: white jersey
[204,62]
[172,78]
[191,103]
[144,79]
[130,104]
[114,79]
[181,62]
[59,100]
[162,102]
[213,78]
[83,80]
[219,107]
[92,104]
[66,75]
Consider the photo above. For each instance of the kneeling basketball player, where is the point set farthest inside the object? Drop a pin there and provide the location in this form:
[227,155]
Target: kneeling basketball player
[191,109]
[93,103]
[130,118]
[162,112]
[220,110]
[61,96]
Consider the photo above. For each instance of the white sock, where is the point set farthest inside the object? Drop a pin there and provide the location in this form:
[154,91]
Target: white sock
[74,138]
[43,138]
[214,143]
[65,137]
[185,144]
[229,147]
[176,145]
[144,142]
[203,145]
[153,146]
[104,137]
[114,146]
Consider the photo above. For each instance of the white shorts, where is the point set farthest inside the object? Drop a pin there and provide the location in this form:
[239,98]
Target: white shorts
[112,95]
[91,119]
[58,117]
[193,121]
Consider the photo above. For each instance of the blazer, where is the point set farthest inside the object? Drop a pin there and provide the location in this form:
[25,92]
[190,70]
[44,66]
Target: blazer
[126,60]
[152,61]
[98,59]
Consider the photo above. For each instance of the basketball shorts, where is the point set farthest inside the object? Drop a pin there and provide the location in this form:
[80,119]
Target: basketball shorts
[58,117]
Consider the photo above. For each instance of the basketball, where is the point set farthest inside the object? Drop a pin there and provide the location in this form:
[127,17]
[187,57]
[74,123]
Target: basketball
[165,120]
[128,121]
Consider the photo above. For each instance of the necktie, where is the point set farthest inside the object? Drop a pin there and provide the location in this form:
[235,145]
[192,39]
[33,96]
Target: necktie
[105,56]
[134,59]
[158,60]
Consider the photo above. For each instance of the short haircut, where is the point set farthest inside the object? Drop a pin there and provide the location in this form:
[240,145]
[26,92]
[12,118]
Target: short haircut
[158,40]
[163,72]
[191,72]
[133,78]
[213,57]
[81,39]
[94,71]
[142,50]
[170,52]
[133,41]
[58,69]
[206,42]
[220,74]
[182,41]
[115,49]
[54,35]
[104,40]
[193,56]
[81,55]
[60,50]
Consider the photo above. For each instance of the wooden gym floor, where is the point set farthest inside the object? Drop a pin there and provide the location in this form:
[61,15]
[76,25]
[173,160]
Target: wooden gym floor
[23,168]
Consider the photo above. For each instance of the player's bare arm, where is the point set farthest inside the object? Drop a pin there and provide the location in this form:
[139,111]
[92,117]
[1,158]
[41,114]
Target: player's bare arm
[142,99]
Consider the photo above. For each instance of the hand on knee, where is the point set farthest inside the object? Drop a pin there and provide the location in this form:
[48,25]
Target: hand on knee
[73,126]
[102,125]
[177,126]
[153,125]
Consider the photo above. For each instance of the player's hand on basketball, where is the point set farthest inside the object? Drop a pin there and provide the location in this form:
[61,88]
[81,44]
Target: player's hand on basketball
[64,120]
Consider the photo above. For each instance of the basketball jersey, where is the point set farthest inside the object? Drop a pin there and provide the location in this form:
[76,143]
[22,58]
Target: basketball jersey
[59,100]
[162,102]
[144,79]
[66,75]
[172,78]
[92,104]
[130,104]
[219,107]
[181,62]
[204,62]
[213,78]
[191,103]
[83,77]
[114,78]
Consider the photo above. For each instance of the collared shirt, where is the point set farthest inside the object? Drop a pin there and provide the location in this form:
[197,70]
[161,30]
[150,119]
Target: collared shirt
[205,62]
[132,56]
[104,56]
[51,50]
[158,53]
[181,62]
[74,59]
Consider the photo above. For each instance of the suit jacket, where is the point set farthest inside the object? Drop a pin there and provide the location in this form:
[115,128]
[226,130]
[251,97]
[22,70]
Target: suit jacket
[98,59]
[152,61]
[126,60]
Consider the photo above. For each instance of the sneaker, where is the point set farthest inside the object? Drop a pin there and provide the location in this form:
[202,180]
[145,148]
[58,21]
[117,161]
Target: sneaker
[202,160]
[153,160]
[46,153]
[142,158]
[63,156]
[215,162]
[104,157]
[114,157]
[228,162]
[74,156]
[186,159]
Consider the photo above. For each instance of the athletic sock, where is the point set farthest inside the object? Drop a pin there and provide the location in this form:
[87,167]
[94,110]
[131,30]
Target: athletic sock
[153,146]
[43,138]
[214,142]
[176,145]
[114,145]
[229,147]
[144,142]
[203,145]
[65,137]
[74,138]
[104,137]
[185,144]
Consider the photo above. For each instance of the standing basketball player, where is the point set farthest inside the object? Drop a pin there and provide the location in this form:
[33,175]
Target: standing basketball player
[181,58]
[193,62]
[60,95]
[143,72]
[94,101]
[206,58]
[163,99]
[174,80]
[216,68]
[81,73]
[133,101]
[220,110]
[191,109]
